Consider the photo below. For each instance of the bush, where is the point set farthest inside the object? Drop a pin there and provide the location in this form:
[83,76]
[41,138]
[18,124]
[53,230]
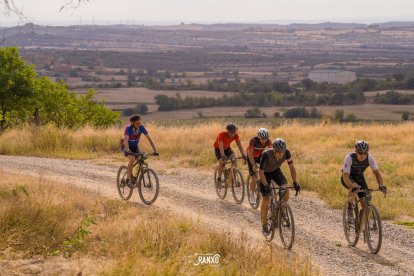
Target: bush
[405,116]
[138,109]
[253,113]
[297,112]
[350,118]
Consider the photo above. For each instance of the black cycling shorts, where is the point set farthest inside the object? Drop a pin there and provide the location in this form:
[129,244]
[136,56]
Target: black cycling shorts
[360,181]
[250,165]
[227,153]
[277,176]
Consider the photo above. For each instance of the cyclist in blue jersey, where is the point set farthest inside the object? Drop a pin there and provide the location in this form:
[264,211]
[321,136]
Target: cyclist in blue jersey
[132,135]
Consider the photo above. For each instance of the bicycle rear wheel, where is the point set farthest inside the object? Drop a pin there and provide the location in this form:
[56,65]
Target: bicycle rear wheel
[255,204]
[238,186]
[373,230]
[350,223]
[220,187]
[148,186]
[125,192]
[286,225]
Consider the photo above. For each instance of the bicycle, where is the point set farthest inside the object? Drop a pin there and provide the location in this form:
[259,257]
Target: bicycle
[256,192]
[232,177]
[144,178]
[280,216]
[368,222]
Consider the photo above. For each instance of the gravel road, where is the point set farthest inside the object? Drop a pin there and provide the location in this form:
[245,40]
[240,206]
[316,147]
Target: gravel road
[190,192]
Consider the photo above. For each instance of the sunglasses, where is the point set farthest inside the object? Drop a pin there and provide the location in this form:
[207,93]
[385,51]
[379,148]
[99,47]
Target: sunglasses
[232,132]
[362,152]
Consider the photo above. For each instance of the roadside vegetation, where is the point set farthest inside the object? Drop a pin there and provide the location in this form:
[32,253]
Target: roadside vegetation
[318,151]
[42,219]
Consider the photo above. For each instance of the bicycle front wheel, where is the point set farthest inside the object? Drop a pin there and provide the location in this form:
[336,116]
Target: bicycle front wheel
[373,230]
[221,187]
[350,222]
[148,186]
[125,191]
[286,225]
[253,196]
[271,222]
[238,186]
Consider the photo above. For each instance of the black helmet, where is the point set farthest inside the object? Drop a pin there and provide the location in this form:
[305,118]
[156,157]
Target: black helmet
[362,146]
[279,144]
[134,117]
[231,127]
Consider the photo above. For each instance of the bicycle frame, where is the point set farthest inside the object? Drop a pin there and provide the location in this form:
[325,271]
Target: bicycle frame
[231,160]
[367,202]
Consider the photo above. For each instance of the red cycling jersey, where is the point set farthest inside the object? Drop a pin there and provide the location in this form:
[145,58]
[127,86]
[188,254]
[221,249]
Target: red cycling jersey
[224,136]
[258,147]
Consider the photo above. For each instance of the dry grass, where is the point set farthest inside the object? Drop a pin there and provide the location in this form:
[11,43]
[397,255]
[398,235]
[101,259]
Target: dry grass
[318,150]
[40,218]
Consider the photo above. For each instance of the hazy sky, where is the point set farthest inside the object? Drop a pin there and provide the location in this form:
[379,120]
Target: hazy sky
[126,11]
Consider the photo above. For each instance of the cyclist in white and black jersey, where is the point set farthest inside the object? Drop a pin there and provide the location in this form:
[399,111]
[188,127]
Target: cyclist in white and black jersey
[354,167]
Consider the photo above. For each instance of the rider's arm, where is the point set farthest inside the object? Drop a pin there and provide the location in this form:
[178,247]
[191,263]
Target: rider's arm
[262,177]
[240,146]
[126,144]
[250,156]
[221,147]
[379,178]
[151,142]
[292,171]
[263,160]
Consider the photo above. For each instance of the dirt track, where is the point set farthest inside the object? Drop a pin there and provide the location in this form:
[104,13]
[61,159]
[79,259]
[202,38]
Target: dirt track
[190,192]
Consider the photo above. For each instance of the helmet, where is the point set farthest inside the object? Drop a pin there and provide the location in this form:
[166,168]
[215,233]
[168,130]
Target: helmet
[231,127]
[134,117]
[362,146]
[263,133]
[279,144]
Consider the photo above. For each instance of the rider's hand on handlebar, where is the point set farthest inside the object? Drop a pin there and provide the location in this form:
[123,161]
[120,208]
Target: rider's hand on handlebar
[223,158]
[268,188]
[156,153]
[297,186]
[355,188]
[383,189]
[244,157]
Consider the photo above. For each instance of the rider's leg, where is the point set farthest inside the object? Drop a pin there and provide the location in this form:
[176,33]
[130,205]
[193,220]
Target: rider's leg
[281,180]
[131,160]
[264,209]
[253,181]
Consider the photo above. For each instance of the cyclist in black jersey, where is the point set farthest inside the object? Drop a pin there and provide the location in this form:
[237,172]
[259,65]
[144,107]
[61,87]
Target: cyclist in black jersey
[270,162]
[354,167]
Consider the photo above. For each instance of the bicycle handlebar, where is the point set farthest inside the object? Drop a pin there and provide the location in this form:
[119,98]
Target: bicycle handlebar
[142,154]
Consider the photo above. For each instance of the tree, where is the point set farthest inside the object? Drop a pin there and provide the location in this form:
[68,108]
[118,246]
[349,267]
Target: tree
[339,115]
[405,116]
[16,86]
[350,118]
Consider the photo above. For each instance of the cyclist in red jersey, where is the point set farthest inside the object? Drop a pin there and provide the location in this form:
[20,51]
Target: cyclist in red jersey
[256,147]
[222,147]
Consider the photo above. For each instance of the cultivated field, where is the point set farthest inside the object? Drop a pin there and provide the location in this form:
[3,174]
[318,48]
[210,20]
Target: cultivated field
[374,112]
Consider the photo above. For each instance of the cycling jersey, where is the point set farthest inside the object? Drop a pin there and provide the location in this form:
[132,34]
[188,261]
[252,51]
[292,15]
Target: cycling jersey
[357,168]
[134,135]
[269,163]
[226,139]
[258,147]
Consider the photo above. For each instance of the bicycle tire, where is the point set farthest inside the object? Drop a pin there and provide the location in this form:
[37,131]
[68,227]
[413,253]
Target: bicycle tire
[288,225]
[238,183]
[271,222]
[125,192]
[351,229]
[221,188]
[255,204]
[370,228]
[148,184]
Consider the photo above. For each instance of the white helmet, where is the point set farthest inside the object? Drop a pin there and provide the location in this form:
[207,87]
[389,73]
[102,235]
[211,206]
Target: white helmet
[263,133]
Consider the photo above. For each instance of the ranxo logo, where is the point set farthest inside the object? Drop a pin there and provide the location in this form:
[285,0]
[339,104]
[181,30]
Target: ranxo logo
[205,259]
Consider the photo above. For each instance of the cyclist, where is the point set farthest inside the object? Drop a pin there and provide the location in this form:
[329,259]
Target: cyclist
[256,147]
[222,147]
[353,172]
[270,162]
[132,135]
